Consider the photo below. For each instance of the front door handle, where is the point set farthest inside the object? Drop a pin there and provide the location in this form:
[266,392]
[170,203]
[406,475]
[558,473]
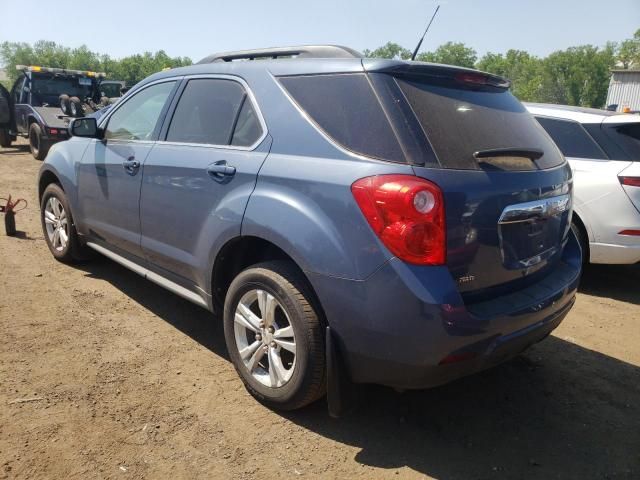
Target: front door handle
[131,165]
[220,170]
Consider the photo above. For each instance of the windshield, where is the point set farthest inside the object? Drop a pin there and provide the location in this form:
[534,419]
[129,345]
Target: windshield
[461,122]
[47,88]
[110,90]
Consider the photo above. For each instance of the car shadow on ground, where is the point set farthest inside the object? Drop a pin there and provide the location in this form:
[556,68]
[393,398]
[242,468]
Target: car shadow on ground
[619,282]
[16,150]
[557,411]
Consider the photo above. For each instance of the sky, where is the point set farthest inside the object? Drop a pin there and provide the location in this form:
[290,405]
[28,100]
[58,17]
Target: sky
[197,28]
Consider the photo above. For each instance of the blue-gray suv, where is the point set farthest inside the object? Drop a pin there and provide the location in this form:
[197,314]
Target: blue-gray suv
[354,220]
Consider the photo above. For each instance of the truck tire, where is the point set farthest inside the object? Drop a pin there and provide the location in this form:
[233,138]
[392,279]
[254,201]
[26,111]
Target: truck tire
[39,147]
[5,138]
[75,107]
[65,104]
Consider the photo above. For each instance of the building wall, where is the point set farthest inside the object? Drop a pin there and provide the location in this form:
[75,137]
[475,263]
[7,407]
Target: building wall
[624,89]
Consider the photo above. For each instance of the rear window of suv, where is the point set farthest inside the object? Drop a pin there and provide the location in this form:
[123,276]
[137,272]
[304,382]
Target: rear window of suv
[460,121]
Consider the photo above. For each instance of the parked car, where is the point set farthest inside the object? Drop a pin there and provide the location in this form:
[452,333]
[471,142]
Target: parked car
[43,100]
[351,219]
[603,149]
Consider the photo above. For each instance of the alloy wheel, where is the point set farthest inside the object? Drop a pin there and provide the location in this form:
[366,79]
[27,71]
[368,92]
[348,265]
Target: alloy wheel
[57,224]
[265,338]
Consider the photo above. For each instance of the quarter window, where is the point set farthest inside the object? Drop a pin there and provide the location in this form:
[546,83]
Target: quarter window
[345,107]
[572,140]
[137,119]
[214,112]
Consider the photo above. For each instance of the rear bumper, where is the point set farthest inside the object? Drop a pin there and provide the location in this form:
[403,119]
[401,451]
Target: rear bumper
[614,254]
[397,327]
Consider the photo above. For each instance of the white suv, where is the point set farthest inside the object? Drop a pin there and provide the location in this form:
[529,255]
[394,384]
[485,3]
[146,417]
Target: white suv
[603,149]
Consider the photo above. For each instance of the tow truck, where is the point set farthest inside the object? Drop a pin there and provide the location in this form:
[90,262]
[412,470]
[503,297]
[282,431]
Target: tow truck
[43,100]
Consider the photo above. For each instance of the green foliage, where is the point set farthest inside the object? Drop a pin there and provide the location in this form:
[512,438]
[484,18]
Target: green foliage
[523,69]
[575,76]
[131,69]
[629,52]
[390,50]
[451,54]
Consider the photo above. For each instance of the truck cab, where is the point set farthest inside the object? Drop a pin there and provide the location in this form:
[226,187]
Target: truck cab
[42,102]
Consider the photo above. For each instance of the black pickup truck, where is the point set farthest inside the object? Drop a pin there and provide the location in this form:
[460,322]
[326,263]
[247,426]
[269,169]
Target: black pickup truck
[43,100]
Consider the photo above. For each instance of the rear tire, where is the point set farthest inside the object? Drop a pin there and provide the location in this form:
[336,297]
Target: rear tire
[39,147]
[75,107]
[260,343]
[55,215]
[5,138]
[65,104]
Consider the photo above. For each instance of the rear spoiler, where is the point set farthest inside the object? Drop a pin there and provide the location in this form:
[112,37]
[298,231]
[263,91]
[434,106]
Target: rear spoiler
[462,75]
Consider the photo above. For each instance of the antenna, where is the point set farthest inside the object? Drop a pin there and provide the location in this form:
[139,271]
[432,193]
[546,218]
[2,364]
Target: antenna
[415,52]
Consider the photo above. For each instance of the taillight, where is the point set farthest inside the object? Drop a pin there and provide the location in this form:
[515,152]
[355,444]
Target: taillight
[635,233]
[407,214]
[630,181]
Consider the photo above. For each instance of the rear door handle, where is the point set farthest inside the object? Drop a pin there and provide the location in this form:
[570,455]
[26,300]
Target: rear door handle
[221,169]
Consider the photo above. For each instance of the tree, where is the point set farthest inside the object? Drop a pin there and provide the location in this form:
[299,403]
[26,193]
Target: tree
[389,50]
[523,69]
[577,76]
[451,53]
[131,69]
[629,52]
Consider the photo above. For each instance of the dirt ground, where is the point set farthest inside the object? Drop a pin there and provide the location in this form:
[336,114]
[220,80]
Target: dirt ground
[105,375]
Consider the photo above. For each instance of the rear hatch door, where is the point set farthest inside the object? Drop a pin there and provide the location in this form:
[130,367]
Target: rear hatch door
[506,185]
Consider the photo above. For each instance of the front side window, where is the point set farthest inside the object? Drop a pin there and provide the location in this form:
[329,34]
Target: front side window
[138,117]
[572,140]
[214,111]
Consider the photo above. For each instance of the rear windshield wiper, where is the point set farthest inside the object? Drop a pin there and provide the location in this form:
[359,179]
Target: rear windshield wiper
[508,158]
[530,153]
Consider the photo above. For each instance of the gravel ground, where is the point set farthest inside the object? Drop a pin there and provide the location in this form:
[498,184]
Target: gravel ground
[105,375]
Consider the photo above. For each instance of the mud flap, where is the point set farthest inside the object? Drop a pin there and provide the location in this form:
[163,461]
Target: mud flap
[342,393]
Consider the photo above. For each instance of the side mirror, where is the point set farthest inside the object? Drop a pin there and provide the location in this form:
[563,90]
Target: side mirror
[85,127]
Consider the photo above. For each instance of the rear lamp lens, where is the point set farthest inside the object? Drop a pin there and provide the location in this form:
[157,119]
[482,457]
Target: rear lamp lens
[407,214]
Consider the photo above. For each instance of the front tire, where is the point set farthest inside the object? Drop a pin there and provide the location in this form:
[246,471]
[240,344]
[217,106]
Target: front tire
[5,138]
[58,227]
[275,336]
[39,147]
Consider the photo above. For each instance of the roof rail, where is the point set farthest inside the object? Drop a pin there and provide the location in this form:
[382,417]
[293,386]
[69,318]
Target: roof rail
[302,51]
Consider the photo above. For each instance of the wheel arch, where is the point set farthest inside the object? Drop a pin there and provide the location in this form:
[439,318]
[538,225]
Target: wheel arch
[577,219]
[240,253]
[47,177]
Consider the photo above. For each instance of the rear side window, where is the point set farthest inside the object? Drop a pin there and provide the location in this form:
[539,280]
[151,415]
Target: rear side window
[626,136]
[572,139]
[345,107]
[214,112]
[460,121]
